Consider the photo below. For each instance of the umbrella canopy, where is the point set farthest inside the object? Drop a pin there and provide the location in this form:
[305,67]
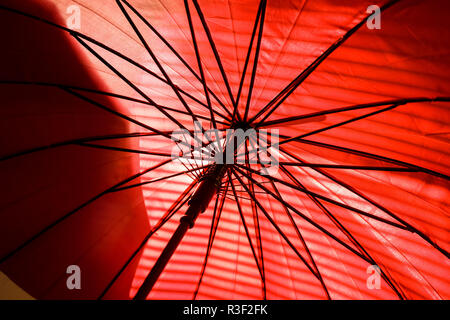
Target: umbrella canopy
[98,99]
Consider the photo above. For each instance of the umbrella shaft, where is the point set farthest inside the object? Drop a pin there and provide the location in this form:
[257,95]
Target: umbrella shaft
[200,200]
[162,261]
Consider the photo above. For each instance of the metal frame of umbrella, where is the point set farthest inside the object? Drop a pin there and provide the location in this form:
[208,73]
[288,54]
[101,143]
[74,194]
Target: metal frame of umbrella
[216,180]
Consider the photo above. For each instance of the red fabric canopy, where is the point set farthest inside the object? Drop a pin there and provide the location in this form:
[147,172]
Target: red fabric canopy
[59,207]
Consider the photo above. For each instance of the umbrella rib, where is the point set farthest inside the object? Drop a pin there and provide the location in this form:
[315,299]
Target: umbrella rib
[255,62]
[240,197]
[295,227]
[177,205]
[92,145]
[214,49]
[290,139]
[373,156]
[69,214]
[158,179]
[346,167]
[260,246]
[155,59]
[255,213]
[330,127]
[192,156]
[291,219]
[137,90]
[325,210]
[257,230]
[100,146]
[289,89]
[379,206]
[247,59]
[404,101]
[274,224]
[200,67]
[171,48]
[134,87]
[107,48]
[337,203]
[344,230]
[208,247]
[367,258]
[246,228]
[252,191]
[316,225]
[348,187]
[125,117]
[75,141]
[105,93]
[212,235]
[354,241]
[356,152]
[160,67]
[347,121]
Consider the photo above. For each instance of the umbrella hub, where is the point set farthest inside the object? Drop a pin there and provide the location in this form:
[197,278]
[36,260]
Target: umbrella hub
[244,125]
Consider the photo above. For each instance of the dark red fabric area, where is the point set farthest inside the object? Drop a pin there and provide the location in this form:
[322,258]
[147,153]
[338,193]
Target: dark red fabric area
[40,188]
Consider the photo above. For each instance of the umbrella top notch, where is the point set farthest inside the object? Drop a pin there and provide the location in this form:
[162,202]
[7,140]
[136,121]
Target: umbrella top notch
[241,124]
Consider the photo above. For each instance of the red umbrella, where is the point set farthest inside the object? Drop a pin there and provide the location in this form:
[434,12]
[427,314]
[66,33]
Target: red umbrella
[339,191]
